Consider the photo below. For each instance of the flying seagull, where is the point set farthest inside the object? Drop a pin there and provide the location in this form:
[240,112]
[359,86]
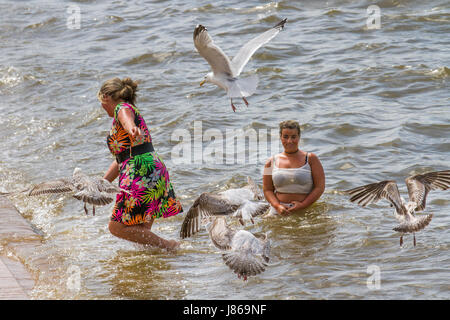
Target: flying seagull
[93,190]
[225,73]
[244,253]
[418,187]
[242,203]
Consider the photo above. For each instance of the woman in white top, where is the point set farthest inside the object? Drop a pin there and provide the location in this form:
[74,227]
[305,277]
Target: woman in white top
[293,179]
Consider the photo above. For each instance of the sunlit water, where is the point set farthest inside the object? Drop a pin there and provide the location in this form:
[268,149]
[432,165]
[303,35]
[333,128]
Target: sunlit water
[373,104]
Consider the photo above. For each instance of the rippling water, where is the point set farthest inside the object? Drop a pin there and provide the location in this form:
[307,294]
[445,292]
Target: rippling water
[373,104]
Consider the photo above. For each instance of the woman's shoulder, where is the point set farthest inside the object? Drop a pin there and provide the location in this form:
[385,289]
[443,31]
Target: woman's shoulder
[124,105]
[312,156]
[314,160]
[270,160]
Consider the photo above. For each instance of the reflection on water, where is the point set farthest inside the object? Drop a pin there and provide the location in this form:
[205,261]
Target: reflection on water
[301,234]
[141,275]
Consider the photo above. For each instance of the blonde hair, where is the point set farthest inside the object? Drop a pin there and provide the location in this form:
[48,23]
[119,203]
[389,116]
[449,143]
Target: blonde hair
[118,89]
[289,124]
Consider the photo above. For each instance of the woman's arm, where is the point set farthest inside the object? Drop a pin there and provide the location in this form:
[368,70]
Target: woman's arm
[113,172]
[318,176]
[268,189]
[126,118]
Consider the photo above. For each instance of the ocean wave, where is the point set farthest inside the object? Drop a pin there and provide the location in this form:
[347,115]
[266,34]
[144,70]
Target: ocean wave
[333,12]
[10,77]
[152,58]
[440,73]
[43,24]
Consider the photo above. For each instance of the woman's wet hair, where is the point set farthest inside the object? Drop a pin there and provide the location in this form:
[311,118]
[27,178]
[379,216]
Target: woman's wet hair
[120,89]
[289,124]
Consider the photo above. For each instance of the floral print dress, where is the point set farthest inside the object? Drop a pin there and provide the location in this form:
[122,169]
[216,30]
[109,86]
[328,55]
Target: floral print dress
[144,175]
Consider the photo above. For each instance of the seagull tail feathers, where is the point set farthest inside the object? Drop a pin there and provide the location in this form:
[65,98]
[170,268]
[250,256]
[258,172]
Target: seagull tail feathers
[243,264]
[243,87]
[419,224]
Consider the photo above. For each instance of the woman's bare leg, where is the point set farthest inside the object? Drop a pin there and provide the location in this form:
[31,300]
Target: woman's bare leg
[141,234]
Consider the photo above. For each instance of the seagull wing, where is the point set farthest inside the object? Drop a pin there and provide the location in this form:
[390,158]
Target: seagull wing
[212,204]
[216,58]
[94,197]
[266,249]
[255,189]
[62,185]
[104,185]
[248,254]
[243,56]
[250,209]
[88,191]
[419,185]
[205,206]
[191,222]
[243,203]
[220,233]
[372,193]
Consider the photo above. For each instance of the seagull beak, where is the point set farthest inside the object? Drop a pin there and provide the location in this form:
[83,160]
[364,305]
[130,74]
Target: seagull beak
[202,83]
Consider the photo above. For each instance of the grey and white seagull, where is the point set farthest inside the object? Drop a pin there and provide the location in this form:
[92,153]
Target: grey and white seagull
[243,253]
[241,203]
[93,190]
[225,72]
[418,187]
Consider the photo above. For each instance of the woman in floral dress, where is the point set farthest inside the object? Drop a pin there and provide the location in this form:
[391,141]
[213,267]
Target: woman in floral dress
[139,168]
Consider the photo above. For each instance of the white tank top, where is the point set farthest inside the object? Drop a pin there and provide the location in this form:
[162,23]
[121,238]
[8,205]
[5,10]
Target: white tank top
[292,180]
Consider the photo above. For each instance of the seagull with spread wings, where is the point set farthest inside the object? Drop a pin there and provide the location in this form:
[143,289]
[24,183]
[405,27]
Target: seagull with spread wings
[243,253]
[242,203]
[93,190]
[225,72]
[418,186]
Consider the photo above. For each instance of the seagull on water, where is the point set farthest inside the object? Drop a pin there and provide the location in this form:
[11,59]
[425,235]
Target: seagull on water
[242,203]
[418,187]
[225,72]
[93,190]
[244,253]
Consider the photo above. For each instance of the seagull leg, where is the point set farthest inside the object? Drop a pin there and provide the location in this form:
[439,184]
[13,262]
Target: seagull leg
[245,101]
[414,239]
[93,210]
[85,208]
[401,240]
[232,105]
